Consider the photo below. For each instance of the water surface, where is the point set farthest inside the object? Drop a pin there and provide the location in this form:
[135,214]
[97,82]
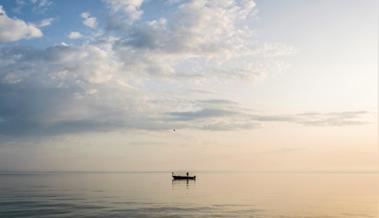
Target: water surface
[261,195]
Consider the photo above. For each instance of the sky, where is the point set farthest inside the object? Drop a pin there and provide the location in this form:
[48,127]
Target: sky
[246,85]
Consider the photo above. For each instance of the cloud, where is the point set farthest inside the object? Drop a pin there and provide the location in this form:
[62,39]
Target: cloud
[88,20]
[200,114]
[213,115]
[345,118]
[129,8]
[224,115]
[19,5]
[15,29]
[128,77]
[62,89]
[74,35]
[198,40]
[45,22]
[199,27]
[68,89]
[40,6]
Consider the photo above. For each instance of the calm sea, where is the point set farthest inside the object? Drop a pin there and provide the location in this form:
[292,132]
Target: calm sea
[277,195]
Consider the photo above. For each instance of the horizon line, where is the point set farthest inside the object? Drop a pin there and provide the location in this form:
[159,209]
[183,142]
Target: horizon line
[15,172]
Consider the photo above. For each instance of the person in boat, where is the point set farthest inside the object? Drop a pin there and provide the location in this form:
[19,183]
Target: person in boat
[187,174]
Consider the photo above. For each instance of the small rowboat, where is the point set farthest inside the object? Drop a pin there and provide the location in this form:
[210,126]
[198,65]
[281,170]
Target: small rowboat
[184,177]
[187,176]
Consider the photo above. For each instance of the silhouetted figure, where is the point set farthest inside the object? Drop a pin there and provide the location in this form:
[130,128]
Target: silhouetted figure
[185,176]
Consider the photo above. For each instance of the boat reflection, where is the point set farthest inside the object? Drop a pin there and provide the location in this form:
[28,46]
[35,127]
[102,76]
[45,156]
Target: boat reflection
[179,183]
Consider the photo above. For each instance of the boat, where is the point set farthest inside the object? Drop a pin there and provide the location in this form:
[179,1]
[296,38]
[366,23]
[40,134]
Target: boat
[181,177]
[184,177]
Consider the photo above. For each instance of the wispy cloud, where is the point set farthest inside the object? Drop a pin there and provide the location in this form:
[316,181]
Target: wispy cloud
[344,118]
[88,20]
[38,6]
[224,117]
[45,22]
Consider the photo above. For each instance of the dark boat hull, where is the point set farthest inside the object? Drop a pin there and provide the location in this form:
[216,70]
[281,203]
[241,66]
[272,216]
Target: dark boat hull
[184,177]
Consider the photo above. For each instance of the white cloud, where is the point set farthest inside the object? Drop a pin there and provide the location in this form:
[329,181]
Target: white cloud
[130,8]
[215,36]
[75,88]
[74,35]
[88,20]
[45,22]
[109,82]
[66,89]
[15,29]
